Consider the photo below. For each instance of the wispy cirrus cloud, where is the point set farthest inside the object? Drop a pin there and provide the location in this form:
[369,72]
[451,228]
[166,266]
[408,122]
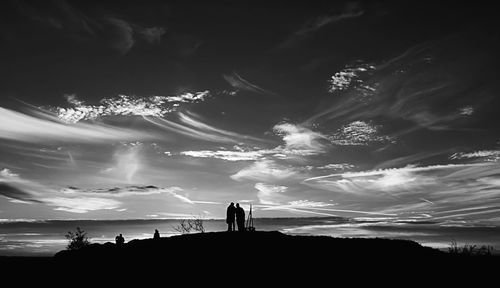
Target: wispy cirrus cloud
[412,190]
[385,181]
[265,171]
[350,10]
[127,163]
[196,121]
[410,159]
[126,105]
[298,141]
[408,88]
[82,204]
[188,131]
[122,35]
[46,127]
[319,208]
[336,166]
[198,129]
[225,155]
[133,191]
[268,193]
[20,190]
[240,83]
[82,200]
[126,191]
[483,155]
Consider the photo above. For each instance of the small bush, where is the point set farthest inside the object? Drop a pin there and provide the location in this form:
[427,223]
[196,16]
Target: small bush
[77,239]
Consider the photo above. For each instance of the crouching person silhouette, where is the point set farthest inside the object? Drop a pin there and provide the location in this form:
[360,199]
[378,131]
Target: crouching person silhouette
[156,235]
[231,211]
[119,240]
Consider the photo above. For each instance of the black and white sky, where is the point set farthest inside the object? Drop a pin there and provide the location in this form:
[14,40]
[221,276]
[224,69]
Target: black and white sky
[154,109]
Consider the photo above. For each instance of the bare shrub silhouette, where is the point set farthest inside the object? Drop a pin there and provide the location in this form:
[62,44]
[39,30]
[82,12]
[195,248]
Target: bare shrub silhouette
[77,239]
[186,226]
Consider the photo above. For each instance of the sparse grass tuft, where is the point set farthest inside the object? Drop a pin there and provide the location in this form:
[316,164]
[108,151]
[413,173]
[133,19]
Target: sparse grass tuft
[469,250]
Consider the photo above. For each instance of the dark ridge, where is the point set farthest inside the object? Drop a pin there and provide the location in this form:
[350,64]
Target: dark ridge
[271,244]
[263,253]
[266,248]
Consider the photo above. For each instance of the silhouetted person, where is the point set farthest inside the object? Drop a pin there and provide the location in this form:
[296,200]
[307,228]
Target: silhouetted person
[156,235]
[231,211]
[240,217]
[120,240]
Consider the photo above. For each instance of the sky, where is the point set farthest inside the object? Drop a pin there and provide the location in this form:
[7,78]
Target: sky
[161,109]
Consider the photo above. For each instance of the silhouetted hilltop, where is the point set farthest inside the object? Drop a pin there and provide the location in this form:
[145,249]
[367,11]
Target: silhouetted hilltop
[270,244]
[259,255]
[267,250]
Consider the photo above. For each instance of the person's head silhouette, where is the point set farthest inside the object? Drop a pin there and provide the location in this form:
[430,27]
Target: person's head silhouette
[232,204]
[238,205]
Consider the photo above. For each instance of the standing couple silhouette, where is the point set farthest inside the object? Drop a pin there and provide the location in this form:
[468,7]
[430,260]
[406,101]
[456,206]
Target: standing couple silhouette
[235,213]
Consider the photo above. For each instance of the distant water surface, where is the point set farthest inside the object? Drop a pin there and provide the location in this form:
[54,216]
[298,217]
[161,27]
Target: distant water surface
[45,238]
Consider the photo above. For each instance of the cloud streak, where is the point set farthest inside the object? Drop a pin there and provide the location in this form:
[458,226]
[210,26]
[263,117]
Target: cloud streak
[265,171]
[133,191]
[82,204]
[351,10]
[395,180]
[199,130]
[483,155]
[126,191]
[21,127]
[298,141]
[336,166]
[238,82]
[198,123]
[412,190]
[11,192]
[269,194]
[225,155]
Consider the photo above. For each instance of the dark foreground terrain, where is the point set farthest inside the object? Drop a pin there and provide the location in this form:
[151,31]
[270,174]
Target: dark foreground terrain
[255,254]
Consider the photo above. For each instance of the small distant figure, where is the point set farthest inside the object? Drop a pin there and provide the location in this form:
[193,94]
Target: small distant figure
[240,218]
[119,240]
[231,212]
[156,235]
